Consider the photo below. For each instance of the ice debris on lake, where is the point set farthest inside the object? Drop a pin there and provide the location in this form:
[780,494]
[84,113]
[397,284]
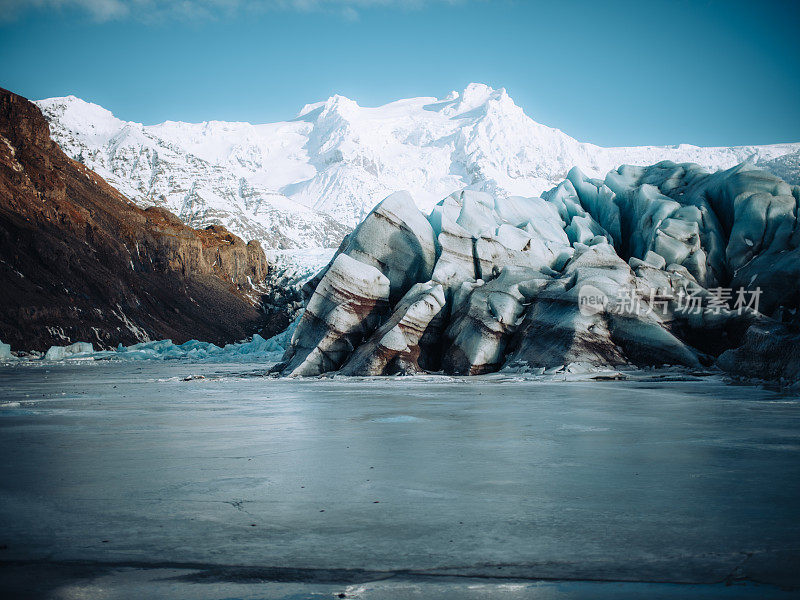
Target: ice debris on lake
[255,349]
[649,266]
[62,352]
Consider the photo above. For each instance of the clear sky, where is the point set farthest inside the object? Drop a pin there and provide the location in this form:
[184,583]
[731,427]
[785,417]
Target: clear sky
[707,72]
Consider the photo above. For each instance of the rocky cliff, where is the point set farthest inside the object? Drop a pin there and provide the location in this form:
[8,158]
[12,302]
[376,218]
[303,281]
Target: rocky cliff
[79,261]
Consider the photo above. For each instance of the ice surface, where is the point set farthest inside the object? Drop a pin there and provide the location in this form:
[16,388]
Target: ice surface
[668,478]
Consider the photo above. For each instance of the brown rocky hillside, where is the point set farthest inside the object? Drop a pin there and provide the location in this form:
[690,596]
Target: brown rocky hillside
[80,262]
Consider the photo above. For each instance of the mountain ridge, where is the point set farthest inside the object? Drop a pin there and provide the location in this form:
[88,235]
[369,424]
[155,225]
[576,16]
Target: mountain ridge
[305,182]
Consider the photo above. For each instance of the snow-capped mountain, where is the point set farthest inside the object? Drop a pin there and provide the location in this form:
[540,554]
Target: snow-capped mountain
[303,183]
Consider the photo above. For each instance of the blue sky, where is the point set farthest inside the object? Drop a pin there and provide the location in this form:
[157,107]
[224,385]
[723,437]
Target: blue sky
[613,73]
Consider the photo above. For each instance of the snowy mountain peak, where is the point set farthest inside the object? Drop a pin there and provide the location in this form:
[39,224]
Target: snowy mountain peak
[337,105]
[79,115]
[478,97]
[476,94]
[308,108]
[340,104]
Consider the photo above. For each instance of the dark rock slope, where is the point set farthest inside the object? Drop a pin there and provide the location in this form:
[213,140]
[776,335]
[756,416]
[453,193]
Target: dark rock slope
[79,262]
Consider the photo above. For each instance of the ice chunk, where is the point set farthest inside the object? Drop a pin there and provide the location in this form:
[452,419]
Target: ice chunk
[598,200]
[256,348]
[582,230]
[456,261]
[484,319]
[580,317]
[72,351]
[476,217]
[654,259]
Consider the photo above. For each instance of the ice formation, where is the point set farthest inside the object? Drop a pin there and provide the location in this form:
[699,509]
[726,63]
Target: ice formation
[664,264]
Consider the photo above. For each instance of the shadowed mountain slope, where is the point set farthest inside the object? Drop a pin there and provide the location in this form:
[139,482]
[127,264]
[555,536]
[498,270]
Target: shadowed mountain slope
[79,261]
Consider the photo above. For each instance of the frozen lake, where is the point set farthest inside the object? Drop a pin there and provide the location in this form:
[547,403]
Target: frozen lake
[122,480]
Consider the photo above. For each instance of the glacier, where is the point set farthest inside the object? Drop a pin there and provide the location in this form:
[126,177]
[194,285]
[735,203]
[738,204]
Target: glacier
[667,264]
[305,182]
